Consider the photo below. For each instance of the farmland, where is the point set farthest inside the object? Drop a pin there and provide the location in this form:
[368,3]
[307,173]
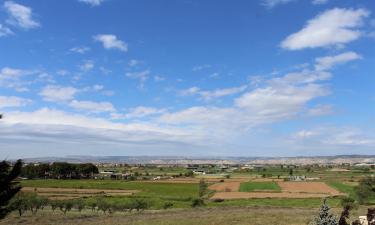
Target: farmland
[244,194]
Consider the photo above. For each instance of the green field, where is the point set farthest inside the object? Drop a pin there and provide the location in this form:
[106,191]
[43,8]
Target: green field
[147,189]
[259,186]
[342,187]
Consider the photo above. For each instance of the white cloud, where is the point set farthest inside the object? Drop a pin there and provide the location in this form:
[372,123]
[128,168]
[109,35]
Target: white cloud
[158,78]
[142,76]
[92,107]
[92,2]
[273,3]
[208,95]
[110,41]
[54,93]
[87,66]
[20,15]
[13,101]
[324,63]
[319,2]
[13,78]
[98,87]
[320,110]
[331,28]
[139,112]
[335,137]
[5,31]
[201,67]
[80,50]
[190,91]
[133,62]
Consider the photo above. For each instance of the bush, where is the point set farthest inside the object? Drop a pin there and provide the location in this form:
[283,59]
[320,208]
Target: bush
[218,200]
[198,202]
[348,202]
[65,206]
[167,205]
[103,205]
[140,204]
[79,204]
[20,203]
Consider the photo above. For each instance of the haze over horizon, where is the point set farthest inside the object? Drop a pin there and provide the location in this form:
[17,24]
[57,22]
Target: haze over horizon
[187,78]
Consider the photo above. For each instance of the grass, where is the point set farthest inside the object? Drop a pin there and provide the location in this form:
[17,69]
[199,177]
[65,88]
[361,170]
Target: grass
[147,189]
[259,186]
[342,187]
[202,216]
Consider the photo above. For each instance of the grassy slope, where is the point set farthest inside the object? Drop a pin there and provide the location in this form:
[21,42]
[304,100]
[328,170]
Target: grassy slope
[201,216]
[253,186]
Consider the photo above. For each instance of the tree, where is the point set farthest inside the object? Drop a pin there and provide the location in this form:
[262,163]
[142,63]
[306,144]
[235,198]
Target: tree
[365,190]
[8,186]
[345,215]
[325,217]
[202,188]
[20,203]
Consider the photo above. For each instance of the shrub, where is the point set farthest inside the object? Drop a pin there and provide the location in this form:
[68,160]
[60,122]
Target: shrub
[198,202]
[218,200]
[65,206]
[20,203]
[103,205]
[79,204]
[167,205]
[140,204]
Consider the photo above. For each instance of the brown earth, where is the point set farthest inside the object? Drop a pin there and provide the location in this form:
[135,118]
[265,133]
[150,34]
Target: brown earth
[225,186]
[308,187]
[246,195]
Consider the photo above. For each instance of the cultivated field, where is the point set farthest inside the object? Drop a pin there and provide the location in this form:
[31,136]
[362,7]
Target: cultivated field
[73,193]
[281,189]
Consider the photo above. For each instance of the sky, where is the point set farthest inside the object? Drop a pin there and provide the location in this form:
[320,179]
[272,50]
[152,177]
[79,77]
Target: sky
[187,78]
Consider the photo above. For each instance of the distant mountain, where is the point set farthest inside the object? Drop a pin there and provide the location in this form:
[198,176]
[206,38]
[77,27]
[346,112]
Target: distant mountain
[339,159]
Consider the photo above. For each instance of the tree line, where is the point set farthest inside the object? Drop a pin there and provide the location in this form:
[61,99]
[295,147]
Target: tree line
[59,170]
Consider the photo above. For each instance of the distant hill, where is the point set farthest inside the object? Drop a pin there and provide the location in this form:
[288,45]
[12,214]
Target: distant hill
[339,159]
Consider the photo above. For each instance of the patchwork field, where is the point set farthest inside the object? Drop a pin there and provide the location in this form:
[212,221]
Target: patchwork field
[72,193]
[248,190]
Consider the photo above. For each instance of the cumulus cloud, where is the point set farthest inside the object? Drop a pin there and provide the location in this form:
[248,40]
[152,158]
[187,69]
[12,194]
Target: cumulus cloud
[139,112]
[55,93]
[319,2]
[92,2]
[209,95]
[13,101]
[273,3]
[5,31]
[80,50]
[335,136]
[327,62]
[133,62]
[331,28]
[14,78]
[20,15]
[110,41]
[201,67]
[142,76]
[92,107]
[87,65]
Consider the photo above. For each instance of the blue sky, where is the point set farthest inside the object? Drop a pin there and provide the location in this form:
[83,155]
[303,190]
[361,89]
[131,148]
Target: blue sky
[200,78]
